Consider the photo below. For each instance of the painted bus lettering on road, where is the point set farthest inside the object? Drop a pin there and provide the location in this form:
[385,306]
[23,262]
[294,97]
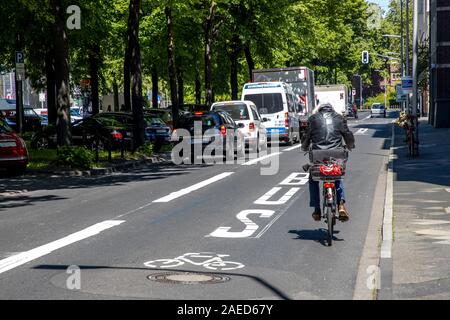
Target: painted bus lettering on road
[264,200]
[250,226]
[294,179]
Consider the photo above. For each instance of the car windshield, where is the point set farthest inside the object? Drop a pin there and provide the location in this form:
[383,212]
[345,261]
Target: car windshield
[29,112]
[377,106]
[75,113]
[4,128]
[266,102]
[236,111]
[154,121]
[208,121]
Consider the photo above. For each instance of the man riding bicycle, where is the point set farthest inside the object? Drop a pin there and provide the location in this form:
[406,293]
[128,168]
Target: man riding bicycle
[326,131]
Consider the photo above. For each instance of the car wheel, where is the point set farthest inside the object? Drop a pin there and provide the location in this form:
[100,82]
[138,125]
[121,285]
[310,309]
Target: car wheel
[41,143]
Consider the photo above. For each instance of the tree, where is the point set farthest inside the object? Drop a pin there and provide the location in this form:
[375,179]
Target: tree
[136,77]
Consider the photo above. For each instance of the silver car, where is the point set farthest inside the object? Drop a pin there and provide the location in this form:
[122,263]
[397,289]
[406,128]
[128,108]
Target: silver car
[378,109]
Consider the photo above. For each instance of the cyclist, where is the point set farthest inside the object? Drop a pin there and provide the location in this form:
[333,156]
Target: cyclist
[326,131]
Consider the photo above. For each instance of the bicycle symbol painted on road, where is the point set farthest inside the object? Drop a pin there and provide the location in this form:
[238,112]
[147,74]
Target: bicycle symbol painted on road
[208,260]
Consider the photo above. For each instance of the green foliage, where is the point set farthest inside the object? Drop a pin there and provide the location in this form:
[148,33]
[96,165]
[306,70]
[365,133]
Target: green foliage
[146,149]
[75,157]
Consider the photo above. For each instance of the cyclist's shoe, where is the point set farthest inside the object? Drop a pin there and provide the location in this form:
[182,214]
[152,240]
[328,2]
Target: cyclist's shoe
[343,214]
[317,215]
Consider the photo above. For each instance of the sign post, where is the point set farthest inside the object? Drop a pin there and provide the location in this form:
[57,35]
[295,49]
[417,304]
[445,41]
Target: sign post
[20,75]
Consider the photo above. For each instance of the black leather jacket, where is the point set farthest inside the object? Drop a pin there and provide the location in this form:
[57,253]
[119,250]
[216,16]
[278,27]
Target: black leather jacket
[326,131]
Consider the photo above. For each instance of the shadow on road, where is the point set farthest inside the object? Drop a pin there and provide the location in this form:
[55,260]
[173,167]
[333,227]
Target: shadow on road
[23,201]
[318,235]
[153,172]
[259,280]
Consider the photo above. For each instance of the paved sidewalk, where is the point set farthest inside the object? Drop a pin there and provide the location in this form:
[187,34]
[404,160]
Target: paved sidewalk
[421,248]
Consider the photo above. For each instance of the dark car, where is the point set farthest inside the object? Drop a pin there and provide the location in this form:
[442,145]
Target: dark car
[157,131]
[13,151]
[215,125]
[90,132]
[31,120]
[165,114]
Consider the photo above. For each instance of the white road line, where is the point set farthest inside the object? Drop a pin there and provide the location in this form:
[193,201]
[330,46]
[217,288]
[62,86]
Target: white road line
[185,191]
[361,131]
[368,117]
[27,256]
[254,161]
[292,148]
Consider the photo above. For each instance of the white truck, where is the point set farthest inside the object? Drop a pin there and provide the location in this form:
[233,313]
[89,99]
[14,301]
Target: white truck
[337,95]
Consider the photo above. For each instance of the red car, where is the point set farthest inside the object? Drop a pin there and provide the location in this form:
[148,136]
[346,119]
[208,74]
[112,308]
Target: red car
[13,151]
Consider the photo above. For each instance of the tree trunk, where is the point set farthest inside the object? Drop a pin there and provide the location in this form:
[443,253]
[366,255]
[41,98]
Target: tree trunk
[51,85]
[180,88]
[250,62]
[198,88]
[116,94]
[172,68]
[208,54]
[126,79]
[94,69]
[61,75]
[136,76]
[154,87]
[234,55]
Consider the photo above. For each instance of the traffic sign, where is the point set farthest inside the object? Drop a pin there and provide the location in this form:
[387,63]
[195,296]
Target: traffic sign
[399,95]
[407,85]
[20,66]
[19,57]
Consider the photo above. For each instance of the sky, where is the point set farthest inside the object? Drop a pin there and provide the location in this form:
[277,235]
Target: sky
[384,4]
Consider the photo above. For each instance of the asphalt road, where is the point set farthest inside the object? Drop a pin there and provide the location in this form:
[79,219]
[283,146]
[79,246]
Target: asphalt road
[115,227]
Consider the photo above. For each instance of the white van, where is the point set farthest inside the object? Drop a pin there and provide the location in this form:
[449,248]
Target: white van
[276,102]
[245,112]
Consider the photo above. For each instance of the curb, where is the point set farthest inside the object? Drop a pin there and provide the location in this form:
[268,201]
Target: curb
[99,171]
[386,246]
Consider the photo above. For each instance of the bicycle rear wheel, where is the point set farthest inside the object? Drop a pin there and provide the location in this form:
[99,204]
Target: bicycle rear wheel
[330,222]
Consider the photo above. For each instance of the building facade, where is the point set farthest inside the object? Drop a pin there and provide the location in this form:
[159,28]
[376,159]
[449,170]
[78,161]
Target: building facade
[439,43]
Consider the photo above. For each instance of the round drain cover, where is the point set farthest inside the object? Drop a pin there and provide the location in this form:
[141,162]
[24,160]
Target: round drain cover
[188,278]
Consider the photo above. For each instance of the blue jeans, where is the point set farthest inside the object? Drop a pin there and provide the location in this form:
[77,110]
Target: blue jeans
[314,193]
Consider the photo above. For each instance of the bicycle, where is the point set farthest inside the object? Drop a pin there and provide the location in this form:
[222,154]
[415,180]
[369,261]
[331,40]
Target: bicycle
[411,133]
[328,171]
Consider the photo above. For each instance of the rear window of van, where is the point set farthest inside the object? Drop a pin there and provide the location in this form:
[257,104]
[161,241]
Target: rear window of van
[266,103]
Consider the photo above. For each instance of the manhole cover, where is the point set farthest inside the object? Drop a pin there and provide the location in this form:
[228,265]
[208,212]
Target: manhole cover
[188,278]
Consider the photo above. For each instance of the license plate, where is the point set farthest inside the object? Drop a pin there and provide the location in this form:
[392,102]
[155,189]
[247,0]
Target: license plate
[160,131]
[8,144]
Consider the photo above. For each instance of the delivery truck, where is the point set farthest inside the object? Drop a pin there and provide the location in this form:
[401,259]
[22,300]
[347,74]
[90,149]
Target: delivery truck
[336,95]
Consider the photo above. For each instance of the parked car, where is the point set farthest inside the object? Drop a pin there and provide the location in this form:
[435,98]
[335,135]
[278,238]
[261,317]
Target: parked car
[377,109]
[245,112]
[87,132]
[31,120]
[215,125]
[13,150]
[75,114]
[165,114]
[157,131]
